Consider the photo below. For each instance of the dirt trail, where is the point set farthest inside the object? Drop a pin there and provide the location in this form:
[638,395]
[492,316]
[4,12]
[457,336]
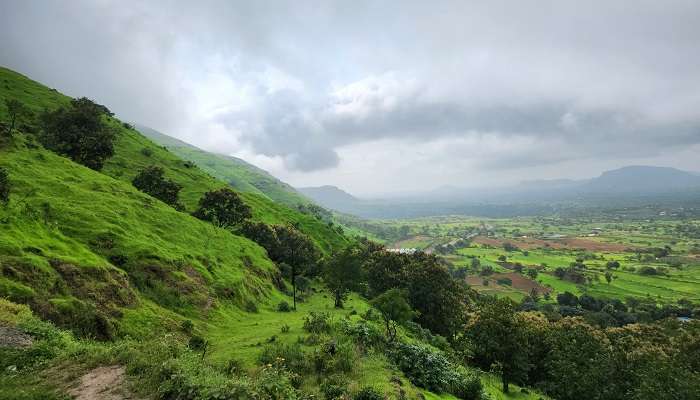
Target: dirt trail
[103,383]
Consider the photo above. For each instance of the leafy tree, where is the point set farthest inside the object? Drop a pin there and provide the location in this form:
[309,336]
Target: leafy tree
[497,337]
[297,250]
[15,109]
[612,265]
[223,208]
[343,273]
[567,299]
[532,273]
[439,299]
[4,186]
[151,180]
[79,133]
[608,276]
[395,310]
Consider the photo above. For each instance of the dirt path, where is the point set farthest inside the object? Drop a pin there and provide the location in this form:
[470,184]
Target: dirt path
[103,383]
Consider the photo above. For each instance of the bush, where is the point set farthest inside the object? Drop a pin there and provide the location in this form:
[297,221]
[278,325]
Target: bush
[250,306]
[197,343]
[285,328]
[283,306]
[334,387]
[147,152]
[79,133]
[317,322]
[187,326]
[151,181]
[431,370]
[4,186]
[368,393]
[291,356]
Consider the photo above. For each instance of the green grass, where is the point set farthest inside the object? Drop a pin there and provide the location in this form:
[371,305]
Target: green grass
[234,171]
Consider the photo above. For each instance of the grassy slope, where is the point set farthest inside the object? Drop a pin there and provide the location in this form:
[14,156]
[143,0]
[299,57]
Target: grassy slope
[236,172]
[130,157]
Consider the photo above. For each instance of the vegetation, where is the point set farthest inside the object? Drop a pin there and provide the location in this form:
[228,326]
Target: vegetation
[223,207]
[152,181]
[94,272]
[79,132]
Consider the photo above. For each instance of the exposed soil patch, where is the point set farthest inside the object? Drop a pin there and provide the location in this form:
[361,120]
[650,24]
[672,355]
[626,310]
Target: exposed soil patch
[103,383]
[565,243]
[520,282]
[13,337]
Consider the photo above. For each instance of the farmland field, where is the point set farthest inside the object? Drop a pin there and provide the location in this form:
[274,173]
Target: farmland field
[614,258]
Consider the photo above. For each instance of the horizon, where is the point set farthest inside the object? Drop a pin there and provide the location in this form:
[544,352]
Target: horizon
[452,93]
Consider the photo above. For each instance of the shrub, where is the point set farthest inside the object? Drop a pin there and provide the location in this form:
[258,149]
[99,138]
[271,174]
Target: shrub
[505,281]
[285,328]
[151,181]
[431,370]
[4,186]
[187,326]
[147,152]
[291,356]
[317,322]
[283,306]
[368,393]
[79,133]
[197,343]
[250,306]
[223,208]
[334,387]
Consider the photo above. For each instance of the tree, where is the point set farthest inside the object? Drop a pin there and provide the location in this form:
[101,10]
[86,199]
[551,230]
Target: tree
[567,299]
[612,265]
[223,208]
[343,273]
[297,250]
[4,186]
[78,132]
[439,299]
[151,180]
[15,109]
[532,273]
[608,276]
[395,310]
[497,337]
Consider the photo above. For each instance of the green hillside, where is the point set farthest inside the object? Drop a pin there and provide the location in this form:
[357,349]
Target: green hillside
[134,152]
[236,172]
[102,260]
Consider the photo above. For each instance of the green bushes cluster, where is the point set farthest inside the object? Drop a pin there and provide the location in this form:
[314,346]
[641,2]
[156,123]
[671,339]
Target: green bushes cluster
[317,322]
[430,369]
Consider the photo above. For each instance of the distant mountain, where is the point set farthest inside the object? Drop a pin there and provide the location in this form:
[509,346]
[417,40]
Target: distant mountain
[641,180]
[330,197]
[235,171]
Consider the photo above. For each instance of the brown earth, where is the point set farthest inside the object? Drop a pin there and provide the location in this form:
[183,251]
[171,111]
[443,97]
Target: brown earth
[103,383]
[520,282]
[565,243]
[13,337]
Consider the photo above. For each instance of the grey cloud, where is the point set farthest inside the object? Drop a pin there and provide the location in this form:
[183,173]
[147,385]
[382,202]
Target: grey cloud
[574,81]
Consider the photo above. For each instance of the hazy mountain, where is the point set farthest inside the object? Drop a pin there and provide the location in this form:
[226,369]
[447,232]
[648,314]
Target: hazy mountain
[330,197]
[642,179]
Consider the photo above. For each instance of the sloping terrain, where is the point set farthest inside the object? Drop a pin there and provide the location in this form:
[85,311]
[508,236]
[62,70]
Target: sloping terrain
[232,170]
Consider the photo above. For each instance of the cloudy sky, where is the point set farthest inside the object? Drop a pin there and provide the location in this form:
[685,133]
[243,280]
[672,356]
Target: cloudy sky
[383,96]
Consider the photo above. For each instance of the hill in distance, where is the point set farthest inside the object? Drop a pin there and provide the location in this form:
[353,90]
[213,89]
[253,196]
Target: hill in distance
[624,185]
[235,171]
[329,196]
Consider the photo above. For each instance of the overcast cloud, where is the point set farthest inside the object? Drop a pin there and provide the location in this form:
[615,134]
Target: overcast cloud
[383,96]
